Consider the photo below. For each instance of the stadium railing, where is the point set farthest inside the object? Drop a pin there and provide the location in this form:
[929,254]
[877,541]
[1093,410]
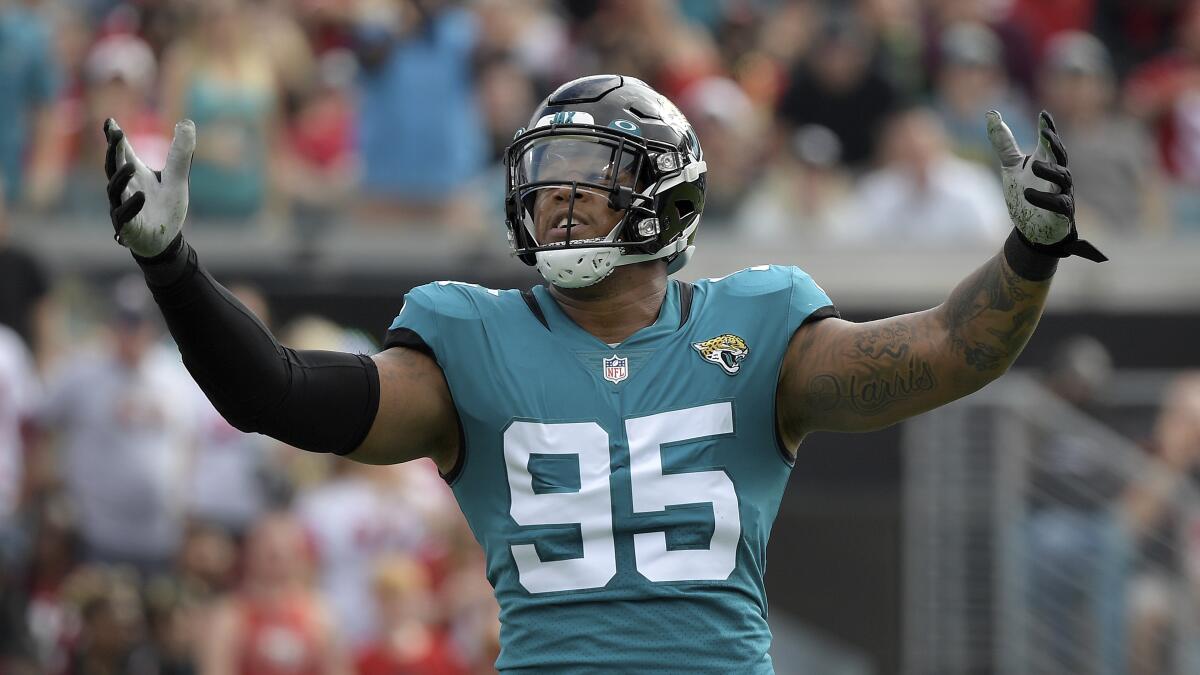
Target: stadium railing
[1021,554]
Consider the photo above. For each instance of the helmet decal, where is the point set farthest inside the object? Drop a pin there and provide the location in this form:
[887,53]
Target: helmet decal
[566,117]
[626,126]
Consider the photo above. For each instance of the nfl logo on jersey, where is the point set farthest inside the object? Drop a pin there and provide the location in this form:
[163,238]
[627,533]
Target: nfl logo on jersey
[616,369]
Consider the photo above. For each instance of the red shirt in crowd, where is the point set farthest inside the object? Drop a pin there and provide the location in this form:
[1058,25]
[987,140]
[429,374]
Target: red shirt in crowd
[380,658]
[282,640]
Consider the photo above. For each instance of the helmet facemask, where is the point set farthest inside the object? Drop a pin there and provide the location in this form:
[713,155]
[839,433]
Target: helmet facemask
[551,174]
[550,171]
[603,140]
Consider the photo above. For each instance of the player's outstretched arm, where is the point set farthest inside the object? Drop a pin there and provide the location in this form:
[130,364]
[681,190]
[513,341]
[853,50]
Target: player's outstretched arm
[386,409]
[843,376]
[416,415]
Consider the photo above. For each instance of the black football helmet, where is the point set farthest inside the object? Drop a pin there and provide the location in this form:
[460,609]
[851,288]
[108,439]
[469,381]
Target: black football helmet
[615,137]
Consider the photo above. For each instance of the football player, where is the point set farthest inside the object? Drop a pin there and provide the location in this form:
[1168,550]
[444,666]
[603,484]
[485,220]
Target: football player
[618,440]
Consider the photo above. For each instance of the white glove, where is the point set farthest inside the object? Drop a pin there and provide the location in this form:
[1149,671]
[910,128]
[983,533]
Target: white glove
[1038,190]
[148,207]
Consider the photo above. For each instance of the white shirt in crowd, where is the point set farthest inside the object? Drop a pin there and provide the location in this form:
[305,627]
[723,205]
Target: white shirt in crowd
[355,519]
[19,389]
[959,202]
[124,437]
[226,484]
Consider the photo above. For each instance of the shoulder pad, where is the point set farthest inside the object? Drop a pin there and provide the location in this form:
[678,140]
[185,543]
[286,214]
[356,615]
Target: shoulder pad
[775,288]
[757,280]
[457,299]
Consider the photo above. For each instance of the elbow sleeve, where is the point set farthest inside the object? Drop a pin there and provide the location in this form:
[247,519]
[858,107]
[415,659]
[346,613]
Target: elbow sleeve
[314,400]
[326,402]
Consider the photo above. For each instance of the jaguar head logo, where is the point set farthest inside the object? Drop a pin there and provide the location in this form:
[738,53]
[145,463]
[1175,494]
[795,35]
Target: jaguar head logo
[726,350]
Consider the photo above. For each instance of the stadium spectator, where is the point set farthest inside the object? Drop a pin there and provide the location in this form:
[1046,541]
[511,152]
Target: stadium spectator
[1118,182]
[24,288]
[731,128]
[1074,524]
[467,604]
[74,34]
[274,624]
[320,168]
[19,389]
[900,35]
[804,193]
[276,28]
[420,135]
[838,87]
[119,74]
[531,38]
[174,625]
[30,155]
[206,564]
[220,76]
[18,650]
[1136,31]
[505,93]
[1015,53]
[364,513]
[1165,93]
[970,81]
[781,42]
[409,641]
[53,556]
[1041,21]
[124,417]
[924,195]
[1156,523]
[653,41]
[111,629]
[18,655]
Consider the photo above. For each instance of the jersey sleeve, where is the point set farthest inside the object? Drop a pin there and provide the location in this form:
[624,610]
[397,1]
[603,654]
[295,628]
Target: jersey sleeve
[416,326]
[808,301]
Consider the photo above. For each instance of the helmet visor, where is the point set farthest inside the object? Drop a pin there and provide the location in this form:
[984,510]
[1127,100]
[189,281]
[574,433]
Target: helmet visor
[582,160]
[555,164]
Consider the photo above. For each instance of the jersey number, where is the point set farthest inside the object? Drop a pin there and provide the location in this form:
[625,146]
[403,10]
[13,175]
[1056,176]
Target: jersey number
[591,506]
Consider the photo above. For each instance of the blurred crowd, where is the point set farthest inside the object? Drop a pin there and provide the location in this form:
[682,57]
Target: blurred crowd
[845,121]
[140,533]
[1113,542]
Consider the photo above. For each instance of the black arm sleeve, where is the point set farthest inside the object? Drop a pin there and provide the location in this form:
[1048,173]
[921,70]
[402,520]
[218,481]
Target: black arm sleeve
[314,400]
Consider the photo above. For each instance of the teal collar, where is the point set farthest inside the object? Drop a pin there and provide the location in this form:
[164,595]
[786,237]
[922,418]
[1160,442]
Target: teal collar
[669,319]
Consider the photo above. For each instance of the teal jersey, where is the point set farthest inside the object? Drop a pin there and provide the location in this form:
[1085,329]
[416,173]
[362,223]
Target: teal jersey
[623,495]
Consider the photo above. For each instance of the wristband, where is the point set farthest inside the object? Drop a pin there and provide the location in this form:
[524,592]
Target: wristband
[168,267]
[1028,262]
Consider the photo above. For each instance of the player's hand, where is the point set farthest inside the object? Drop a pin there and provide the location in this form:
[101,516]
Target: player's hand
[147,207]
[1038,190]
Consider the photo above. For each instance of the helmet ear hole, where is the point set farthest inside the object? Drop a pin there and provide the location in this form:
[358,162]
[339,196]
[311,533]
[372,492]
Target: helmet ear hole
[685,207]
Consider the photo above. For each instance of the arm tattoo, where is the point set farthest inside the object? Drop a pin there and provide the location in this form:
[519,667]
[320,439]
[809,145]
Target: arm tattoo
[879,369]
[991,315]
[881,372]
